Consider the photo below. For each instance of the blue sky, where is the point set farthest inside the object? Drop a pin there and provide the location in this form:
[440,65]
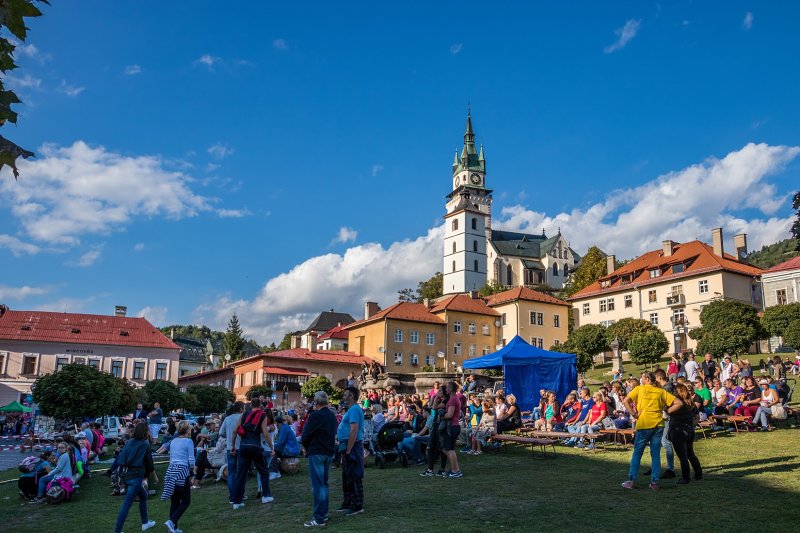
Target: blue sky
[278,159]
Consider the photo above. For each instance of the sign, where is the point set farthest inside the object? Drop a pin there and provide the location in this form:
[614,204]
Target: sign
[274,396]
[79,350]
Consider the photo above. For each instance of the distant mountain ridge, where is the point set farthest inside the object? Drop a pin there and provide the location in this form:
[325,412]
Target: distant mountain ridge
[773,254]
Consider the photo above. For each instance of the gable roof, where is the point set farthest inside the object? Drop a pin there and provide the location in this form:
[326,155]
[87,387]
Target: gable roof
[527,245]
[78,328]
[329,319]
[337,332]
[303,354]
[192,350]
[409,311]
[791,264]
[464,303]
[523,293]
[696,257]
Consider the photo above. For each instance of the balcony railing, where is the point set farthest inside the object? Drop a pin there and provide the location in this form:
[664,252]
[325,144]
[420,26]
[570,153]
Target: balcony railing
[676,299]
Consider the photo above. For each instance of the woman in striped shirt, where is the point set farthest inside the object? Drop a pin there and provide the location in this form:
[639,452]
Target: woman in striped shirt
[177,480]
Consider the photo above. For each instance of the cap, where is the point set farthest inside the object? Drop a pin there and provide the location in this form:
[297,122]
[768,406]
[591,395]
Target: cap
[763,382]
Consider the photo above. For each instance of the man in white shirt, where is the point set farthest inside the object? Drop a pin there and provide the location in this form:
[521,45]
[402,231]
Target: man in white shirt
[691,368]
[232,440]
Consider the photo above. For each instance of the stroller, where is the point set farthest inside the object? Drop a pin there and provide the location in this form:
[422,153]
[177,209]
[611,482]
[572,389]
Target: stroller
[390,435]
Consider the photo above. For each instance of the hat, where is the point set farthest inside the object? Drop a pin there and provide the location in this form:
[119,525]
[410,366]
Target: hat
[763,382]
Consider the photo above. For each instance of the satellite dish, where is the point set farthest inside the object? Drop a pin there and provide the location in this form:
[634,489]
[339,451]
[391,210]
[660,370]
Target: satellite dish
[498,346]
[381,349]
[497,323]
[227,357]
[440,355]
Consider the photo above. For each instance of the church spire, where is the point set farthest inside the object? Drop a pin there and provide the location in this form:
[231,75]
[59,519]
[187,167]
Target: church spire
[469,135]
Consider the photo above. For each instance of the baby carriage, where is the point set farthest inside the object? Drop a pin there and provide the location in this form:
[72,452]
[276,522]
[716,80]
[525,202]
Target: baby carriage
[390,435]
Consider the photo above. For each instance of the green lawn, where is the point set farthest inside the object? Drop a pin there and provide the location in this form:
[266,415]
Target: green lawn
[750,479]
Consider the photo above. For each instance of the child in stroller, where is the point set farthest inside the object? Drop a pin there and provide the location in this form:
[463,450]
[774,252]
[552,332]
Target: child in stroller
[389,436]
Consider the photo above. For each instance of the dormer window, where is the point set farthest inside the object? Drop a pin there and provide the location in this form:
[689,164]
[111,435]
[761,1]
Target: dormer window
[655,272]
[677,268]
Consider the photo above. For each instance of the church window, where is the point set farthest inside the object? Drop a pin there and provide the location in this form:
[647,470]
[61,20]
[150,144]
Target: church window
[474,223]
[509,275]
[474,246]
[455,224]
[454,266]
[555,269]
[476,265]
[566,270]
[454,247]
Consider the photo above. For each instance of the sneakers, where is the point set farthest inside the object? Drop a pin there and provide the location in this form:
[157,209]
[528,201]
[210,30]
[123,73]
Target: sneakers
[682,481]
[441,473]
[426,473]
[314,523]
[148,525]
[267,499]
[342,509]
[352,512]
[170,526]
[668,474]
[653,486]
[38,500]
[274,475]
[580,445]
[456,474]
[589,447]
[628,484]
[237,506]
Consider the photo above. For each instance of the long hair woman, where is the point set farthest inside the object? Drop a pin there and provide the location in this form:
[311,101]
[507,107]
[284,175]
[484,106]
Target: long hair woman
[681,434]
[136,460]
[177,480]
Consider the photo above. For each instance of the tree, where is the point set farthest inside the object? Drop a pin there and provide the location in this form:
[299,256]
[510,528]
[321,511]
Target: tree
[796,225]
[164,392]
[286,342]
[624,329]
[431,289]
[77,391]
[406,295]
[732,339]
[258,390]
[491,287]
[128,398]
[210,399]
[647,347]
[234,341]
[592,268]
[12,18]
[791,335]
[777,318]
[727,326]
[586,342]
[320,383]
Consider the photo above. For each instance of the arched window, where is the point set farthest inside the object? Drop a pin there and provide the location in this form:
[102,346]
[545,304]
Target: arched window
[566,270]
[476,266]
[555,269]
[454,247]
[474,246]
[474,223]
[455,224]
[454,266]
[509,275]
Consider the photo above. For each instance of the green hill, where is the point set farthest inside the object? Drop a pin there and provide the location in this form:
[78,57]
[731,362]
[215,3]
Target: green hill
[769,256]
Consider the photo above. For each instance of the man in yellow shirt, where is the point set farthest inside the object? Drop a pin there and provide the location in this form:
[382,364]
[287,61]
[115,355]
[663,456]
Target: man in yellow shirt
[646,404]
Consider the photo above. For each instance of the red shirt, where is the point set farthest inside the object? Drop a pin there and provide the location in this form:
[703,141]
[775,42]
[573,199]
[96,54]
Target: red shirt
[455,403]
[598,412]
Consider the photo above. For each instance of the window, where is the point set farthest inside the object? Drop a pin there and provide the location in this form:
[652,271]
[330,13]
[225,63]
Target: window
[454,247]
[537,341]
[586,310]
[29,365]
[486,329]
[474,246]
[655,272]
[702,286]
[475,266]
[471,328]
[678,317]
[413,337]
[503,319]
[537,319]
[79,360]
[414,359]
[398,335]
[116,368]
[161,371]
[457,326]
[430,339]
[606,305]
[780,297]
[611,304]
[94,363]
[457,348]
[60,362]
[566,270]
[486,350]
[474,223]
[628,300]
[138,370]
[429,360]
[651,296]
[556,342]
[455,224]
[676,290]
[509,275]
[473,350]
[654,318]
[555,269]
[454,266]
[556,321]
[3,359]
[607,323]
[677,268]
[398,358]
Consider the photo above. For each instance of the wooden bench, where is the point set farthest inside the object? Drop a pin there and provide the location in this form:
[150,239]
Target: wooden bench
[532,441]
[624,433]
[531,432]
[732,419]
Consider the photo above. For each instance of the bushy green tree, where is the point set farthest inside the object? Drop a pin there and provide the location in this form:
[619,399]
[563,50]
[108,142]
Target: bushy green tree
[592,268]
[406,295]
[647,347]
[777,318]
[210,399]
[727,326]
[321,383]
[791,335]
[491,287]
[129,397]
[164,392]
[796,225]
[258,390]
[431,288]
[77,391]
[732,339]
[624,329]
[586,342]
[286,342]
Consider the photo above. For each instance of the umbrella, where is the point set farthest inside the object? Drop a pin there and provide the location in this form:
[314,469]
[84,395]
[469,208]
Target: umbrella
[15,407]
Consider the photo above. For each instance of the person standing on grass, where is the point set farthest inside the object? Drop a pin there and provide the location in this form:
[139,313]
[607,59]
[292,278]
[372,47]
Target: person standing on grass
[434,448]
[350,435]
[669,473]
[154,419]
[254,425]
[681,434]
[319,440]
[645,404]
[452,418]
[136,460]
[177,479]
[232,441]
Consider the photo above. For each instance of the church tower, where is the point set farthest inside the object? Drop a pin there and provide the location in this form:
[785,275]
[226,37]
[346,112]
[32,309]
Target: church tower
[468,220]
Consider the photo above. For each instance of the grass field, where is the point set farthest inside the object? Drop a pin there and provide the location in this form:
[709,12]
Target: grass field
[752,481]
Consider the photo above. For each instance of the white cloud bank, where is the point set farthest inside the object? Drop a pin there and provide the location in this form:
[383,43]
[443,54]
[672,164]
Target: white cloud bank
[680,205]
[624,35]
[346,235]
[20,293]
[155,315]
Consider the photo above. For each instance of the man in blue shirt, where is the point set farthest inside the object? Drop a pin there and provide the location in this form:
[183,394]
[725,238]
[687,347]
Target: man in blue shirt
[587,403]
[350,435]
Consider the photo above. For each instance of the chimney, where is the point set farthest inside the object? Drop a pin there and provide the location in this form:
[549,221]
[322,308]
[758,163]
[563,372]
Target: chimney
[296,341]
[740,245]
[667,247]
[120,310]
[473,295]
[611,264]
[716,241]
[172,333]
[370,308]
[426,302]
[312,342]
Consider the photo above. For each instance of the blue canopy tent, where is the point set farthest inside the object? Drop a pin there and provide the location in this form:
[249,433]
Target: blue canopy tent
[528,369]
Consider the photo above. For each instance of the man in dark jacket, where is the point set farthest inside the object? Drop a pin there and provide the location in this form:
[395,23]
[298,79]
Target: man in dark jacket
[319,440]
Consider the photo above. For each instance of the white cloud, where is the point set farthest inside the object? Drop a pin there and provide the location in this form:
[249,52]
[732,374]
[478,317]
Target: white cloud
[377,169]
[456,48]
[18,247]
[211,167]
[29,50]
[280,44]
[220,150]
[233,213]
[681,205]
[89,258]
[132,70]
[25,82]
[344,282]
[77,190]
[624,34]
[747,23]
[138,247]
[69,90]
[155,315]
[346,235]
[20,293]
[208,61]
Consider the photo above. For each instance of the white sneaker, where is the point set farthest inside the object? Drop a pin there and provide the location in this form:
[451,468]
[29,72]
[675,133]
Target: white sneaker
[274,475]
[237,506]
[148,525]
[267,499]
[170,526]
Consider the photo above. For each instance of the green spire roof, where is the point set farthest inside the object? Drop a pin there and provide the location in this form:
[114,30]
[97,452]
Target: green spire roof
[469,159]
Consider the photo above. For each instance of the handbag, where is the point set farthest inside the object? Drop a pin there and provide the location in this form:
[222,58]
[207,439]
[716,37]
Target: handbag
[607,423]
[778,411]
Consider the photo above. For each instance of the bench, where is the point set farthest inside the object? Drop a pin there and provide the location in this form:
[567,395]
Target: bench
[532,441]
[624,433]
[733,419]
[530,432]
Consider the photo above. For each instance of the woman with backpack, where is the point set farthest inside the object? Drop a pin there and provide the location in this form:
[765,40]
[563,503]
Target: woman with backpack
[177,479]
[32,469]
[136,464]
[63,469]
[250,428]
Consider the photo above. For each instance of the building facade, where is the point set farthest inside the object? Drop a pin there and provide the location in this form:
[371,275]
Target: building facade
[34,343]
[221,377]
[538,318]
[472,328]
[670,287]
[325,321]
[781,283]
[527,260]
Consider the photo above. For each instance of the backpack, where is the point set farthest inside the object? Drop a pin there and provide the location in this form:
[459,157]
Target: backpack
[28,464]
[251,423]
[56,494]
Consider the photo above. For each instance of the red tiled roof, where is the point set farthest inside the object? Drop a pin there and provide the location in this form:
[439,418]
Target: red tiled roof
[286,371]
[207,373]
[523,293]
[75,328]
[696,256]
[411,312]
[337,332]
[465,303]
[303,354]
[791,264]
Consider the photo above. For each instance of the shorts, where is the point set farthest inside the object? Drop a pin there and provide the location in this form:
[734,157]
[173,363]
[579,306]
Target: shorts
[154,429]
[450,437]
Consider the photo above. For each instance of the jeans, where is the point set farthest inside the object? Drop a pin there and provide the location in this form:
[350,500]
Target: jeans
[318,469]
[667,445]
[574,429]
[135,488]
[43,481]
[250,455]
[762,416]
[353,478]
[642,438]
[231,475]
[179,501]
[683,442]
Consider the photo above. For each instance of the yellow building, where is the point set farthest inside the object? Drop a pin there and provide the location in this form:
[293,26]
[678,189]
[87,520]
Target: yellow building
[670,286]
[403,337]
[538,318]
[473,328]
